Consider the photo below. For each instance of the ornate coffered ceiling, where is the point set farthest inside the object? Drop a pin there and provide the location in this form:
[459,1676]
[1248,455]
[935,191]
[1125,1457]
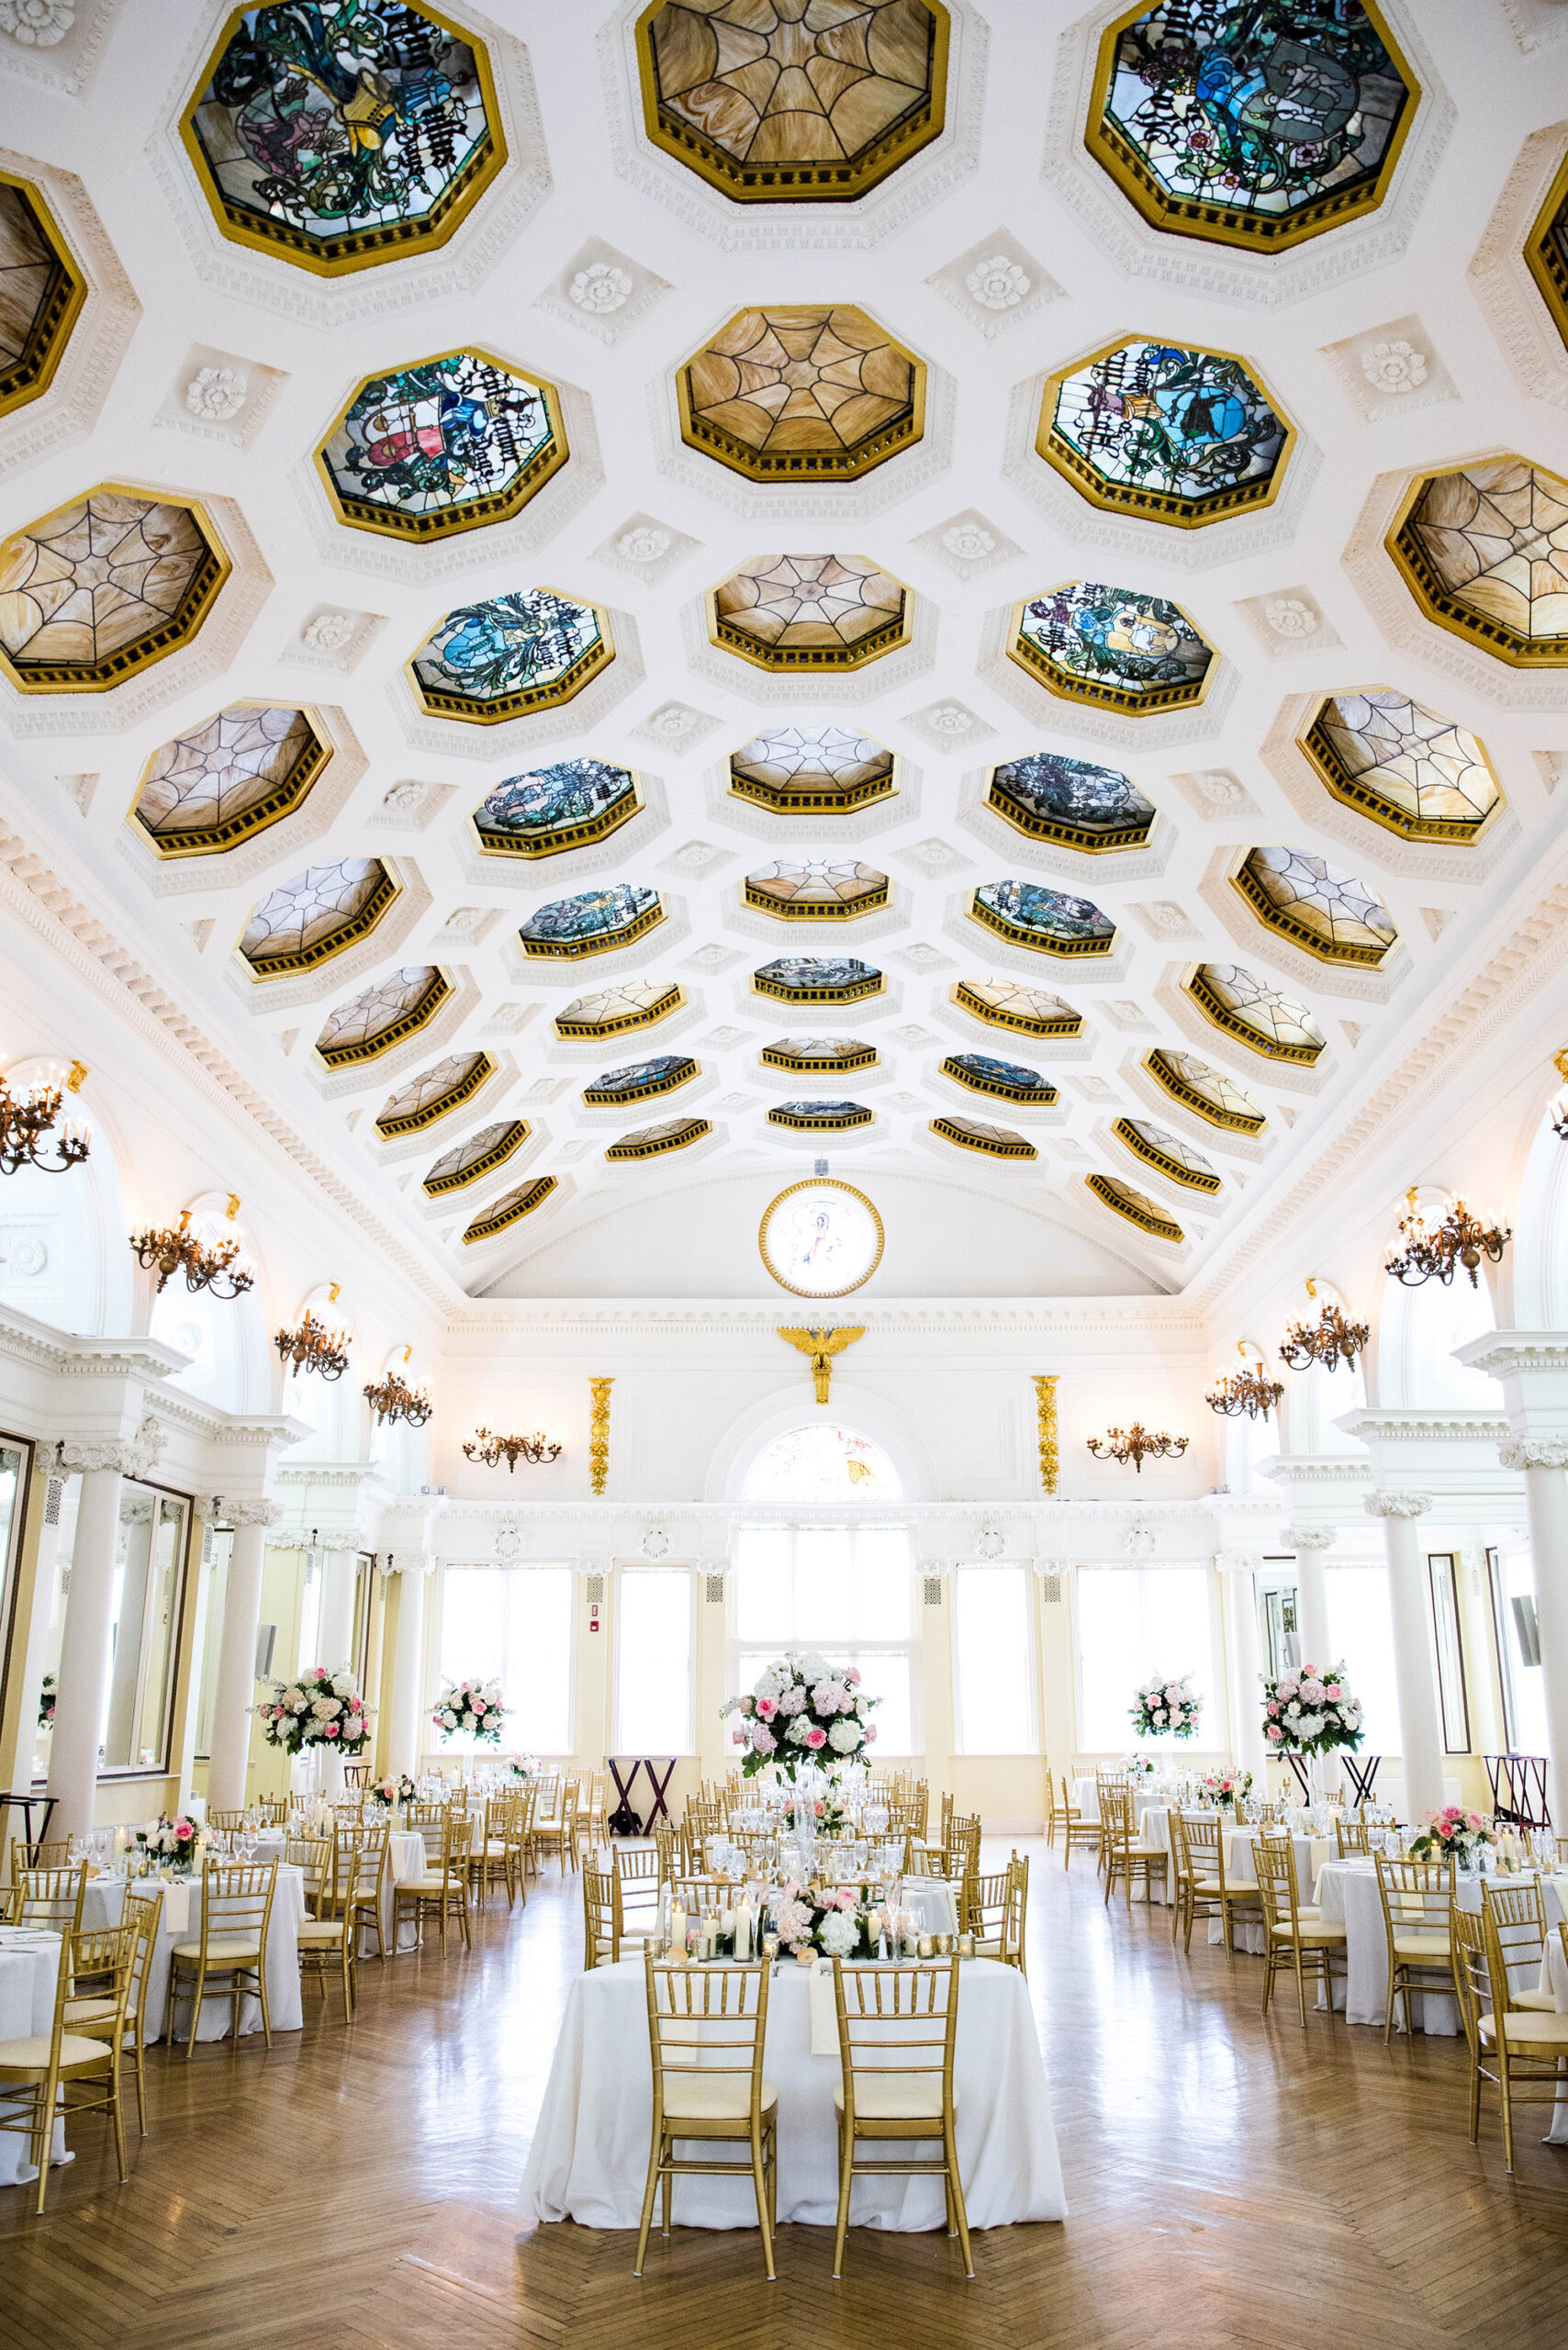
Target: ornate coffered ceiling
[535,682]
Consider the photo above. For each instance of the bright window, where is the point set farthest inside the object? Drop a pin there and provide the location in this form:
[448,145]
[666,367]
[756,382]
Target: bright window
[992,1658]
[1132,1622]
[1360,1633]
[652,1697]
[846,1592]
[512,1624]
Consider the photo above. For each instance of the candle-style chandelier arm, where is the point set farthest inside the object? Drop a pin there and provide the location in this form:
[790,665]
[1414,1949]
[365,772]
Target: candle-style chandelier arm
[310,1345]
[490,1449]
[1137,1444]
[210,1265]
[392,1399]
[1330,1341]
[1245,1391]
[25,1120]
[1436,1252]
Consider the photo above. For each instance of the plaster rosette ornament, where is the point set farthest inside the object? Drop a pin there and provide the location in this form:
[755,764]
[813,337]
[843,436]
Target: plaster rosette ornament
[790,103]
[1168,434]
[1483,551]
[44,292]
[813,770]
[821,890]
[433,1095]
[1111,648]
[1240,1004]
[596,922]
[802,392]
[1417,775]
[1136,1207]
[1048,922]
[1003,1003]
[804,612]
[338,138]
[616,1012]
[1072,801]
[555,808]
[100,589]
[510,656]
[1208,1093]
[442,446]
[1256,126]
[225,782]
[382,1017]
[1315,905]
[316,917]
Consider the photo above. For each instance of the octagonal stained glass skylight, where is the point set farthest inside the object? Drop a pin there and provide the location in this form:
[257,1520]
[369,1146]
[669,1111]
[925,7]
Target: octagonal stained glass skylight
[640,1080]
[371,1022]
[555,808]
[41,294]
[470,1161]
[228,778]
[509,1209]
[510,656]
[592,923]
[318,914]
[1246,1007]
[821,1117]
[1251,122]
[1008,1081]
[1053,798]
[1175,435]
[818,1055]
[1135,1206]
[802,392]
[1157,1147]
[818,978]
[433,1094]
[809,611]
[821,889]
[1416,773]
[1051,922]
[615,1012]
[442,445]
[340,136]
[1484,552]
[1114,648]
[1317,906]
[652,1142]
[810,770]
[1003,1003]
[103,588]
[991,1142]
[1546,250]
[787,103]
[1208,1091]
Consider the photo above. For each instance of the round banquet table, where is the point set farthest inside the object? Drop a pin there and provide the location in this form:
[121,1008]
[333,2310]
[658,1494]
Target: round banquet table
[1348,1895]
[179,1922]
[588,2161]
[405,1858]
[29,1970]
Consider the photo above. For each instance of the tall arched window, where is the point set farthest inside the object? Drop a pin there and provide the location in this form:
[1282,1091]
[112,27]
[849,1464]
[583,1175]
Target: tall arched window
[1419,1331]
[822,1463]
[225,1337]
[333,1407]
[63,1257]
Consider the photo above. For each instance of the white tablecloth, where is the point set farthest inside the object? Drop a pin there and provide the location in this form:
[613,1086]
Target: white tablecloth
[590,2157]
[28,1977]
[181,1922]
[406,1858]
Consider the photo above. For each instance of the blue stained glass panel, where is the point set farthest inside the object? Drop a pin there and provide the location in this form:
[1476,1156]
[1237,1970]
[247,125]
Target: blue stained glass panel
[549,798]
[817,971]
[592,915]
[485,652]
[995,1072]
[1151,415]
[641,1076]
[1117,636]
[1024,905]
[447,433]
[1073,791]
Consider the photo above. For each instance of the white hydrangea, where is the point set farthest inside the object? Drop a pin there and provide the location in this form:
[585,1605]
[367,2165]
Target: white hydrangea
[325,1707]
[838,1933]
[342,1685]
[770,1683]
[844,1737]
[799,1731]
[814,1666]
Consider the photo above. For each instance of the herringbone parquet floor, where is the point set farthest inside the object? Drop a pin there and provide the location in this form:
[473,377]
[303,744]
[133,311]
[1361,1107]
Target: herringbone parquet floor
[1230,2183]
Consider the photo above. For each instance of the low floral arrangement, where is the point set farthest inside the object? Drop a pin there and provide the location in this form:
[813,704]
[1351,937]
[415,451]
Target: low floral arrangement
[1163,1709]
[472,1706]
[1309,1712]
[1139,1767]
[1226,1789]
[173,1841]
[831,1922]
[388,1792]
[46,1696]
[1453,1834]
[804,1710]
[317,1708]
[523,1767]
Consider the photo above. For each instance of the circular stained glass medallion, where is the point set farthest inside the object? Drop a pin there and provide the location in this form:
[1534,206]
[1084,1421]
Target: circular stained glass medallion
[821,1239]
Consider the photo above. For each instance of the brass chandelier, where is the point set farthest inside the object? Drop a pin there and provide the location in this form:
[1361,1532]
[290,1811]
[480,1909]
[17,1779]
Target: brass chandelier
[1330,1341]
[1246,1390]
[1137,1444]
[214,1266]
[1436,1252]
[392,1399]
[27,1119]
[310,1345]
[491,1449]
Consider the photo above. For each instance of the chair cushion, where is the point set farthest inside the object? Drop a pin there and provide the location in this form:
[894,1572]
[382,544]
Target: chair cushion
[1207,1885]
[902,2097]
[691,2095]
[426,1888]
[223,1950]
[86,2012]
[1430,1950]
[1541,2002]
[1542,2031]
[32,2055]
[1314,1931]
[321,1937]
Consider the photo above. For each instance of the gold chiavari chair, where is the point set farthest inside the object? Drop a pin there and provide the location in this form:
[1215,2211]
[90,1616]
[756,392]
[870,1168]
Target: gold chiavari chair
[54,1856]
[1518,2050]
[327,1944]
[995,1913]
[696,1894]
[49,1897]
[1517,1911]
[1291,1939]
[558,1834]
[442,1891]
[706,2030]
[231,1952]
[600,1914]
[39,2073]
[275,1809]
[362,1894]
[1127,1857]
[1353,1835]
[897,2027]
[313,1857]
[91,2012]
[517,1828]
[488,1858]
[428,1821]
[917,1799]
[228,1823]
[546,1814]
[1077,1829]
[635,1869]
[591,1815]
[946,1815]
[1199,1850]
[674,1852]
[1417,1897]
[356,1775]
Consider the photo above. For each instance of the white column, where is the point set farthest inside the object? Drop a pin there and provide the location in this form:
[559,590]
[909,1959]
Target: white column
[405,1737]
[1420,1730]
[1544,1460]
[1309,1542]
[1246,1706]
[235,1691]
[336,1636]
[83,1676]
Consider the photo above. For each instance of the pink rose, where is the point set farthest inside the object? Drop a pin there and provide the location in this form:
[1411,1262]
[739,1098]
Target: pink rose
[820,1810]
[1273,1731]
[331,1729]
[1333,1689]
[1273,1707]
[767,1707]
[748,1705]
[183,1828]
[870,1732]
[478,1705]
[815,1738]
[852,1673]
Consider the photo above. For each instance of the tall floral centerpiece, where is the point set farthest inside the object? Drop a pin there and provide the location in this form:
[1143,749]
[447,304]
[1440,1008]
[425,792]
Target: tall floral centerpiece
[1163,1709]
[318,1709]
[1312,1712]
[804,1711]
[472,1706]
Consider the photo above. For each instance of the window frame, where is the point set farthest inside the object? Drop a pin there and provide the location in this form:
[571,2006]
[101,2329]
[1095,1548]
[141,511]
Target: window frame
[428,1741]
[911,1646]
[185,1585]
[1443,1567]
[623,1571]
[1031,1657]
[1217,1683]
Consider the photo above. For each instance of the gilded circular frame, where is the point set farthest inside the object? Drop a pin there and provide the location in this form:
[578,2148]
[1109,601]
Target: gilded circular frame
[820,1183]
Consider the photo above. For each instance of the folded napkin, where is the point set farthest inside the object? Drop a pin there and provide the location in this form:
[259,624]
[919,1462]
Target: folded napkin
[177,1919]
[825,2008]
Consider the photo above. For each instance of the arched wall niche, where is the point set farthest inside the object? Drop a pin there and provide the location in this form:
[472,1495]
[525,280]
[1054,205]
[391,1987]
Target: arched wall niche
[63,1259]
[334,1408]
[399,1450]
[227,1338]
[1417,1330]
[1540,1249]
[852,1409]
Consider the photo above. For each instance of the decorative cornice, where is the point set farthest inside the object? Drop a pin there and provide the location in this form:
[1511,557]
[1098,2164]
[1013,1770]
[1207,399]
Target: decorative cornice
[1237,1562]
[1534,1452]
[409,1562]
[1505,1354]
[1318,1469]
[131,1456]
[1425,1427]
[1396,1505]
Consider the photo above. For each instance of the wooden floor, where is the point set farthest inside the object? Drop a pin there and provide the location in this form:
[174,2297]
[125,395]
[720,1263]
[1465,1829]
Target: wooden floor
[1229,2182]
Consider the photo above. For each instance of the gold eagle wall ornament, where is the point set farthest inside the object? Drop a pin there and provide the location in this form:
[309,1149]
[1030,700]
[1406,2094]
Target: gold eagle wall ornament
[821,1346]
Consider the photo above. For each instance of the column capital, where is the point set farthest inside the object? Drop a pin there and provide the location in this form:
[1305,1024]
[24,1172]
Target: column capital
[409,1562]
[1313,1538]
[1534,1452]
[252,1513]
[1396,1505]
[1237,1562]
[130,1456]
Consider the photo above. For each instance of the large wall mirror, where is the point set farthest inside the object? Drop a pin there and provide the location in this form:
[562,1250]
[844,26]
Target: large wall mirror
[149,1592]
